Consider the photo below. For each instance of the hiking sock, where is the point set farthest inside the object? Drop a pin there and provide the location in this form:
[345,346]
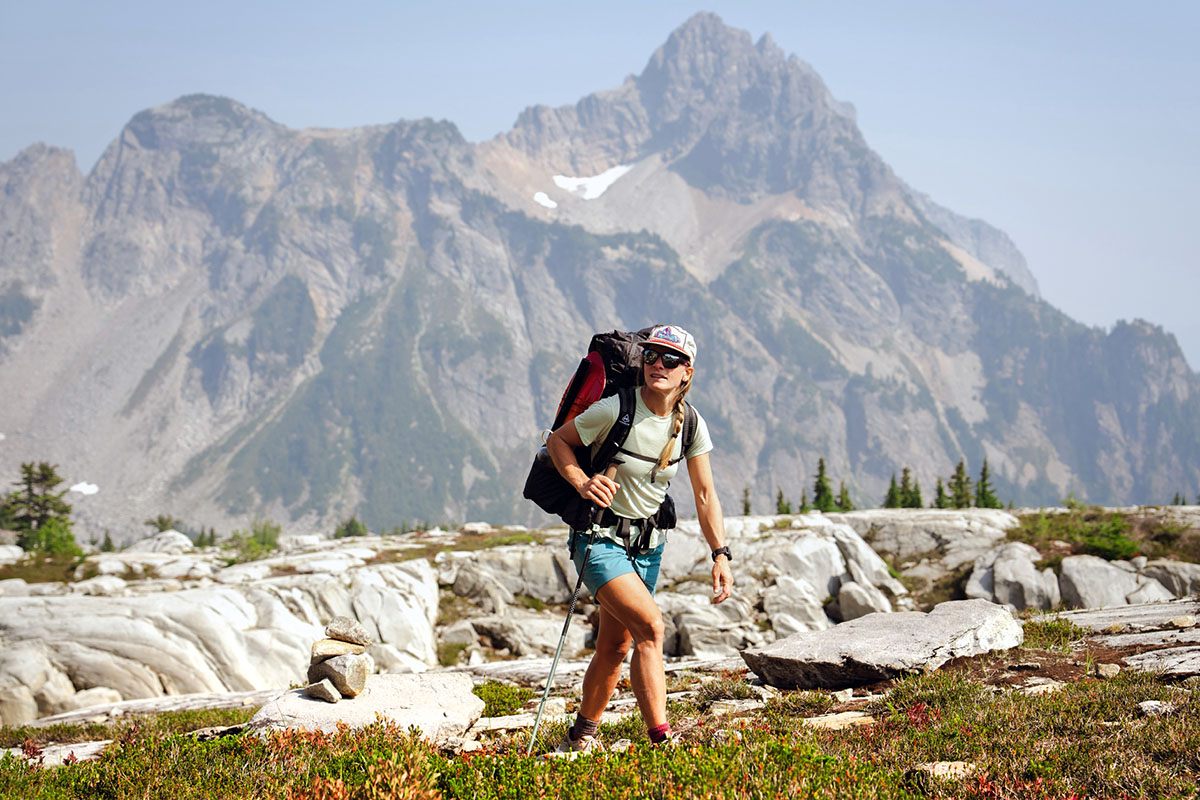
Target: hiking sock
[583,727]
[659,733]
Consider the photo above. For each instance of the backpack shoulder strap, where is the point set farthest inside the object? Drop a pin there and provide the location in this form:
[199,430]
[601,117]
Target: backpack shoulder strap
[691,421]
[627,402]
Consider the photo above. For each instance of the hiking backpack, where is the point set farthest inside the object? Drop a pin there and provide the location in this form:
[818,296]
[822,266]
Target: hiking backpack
[613,365]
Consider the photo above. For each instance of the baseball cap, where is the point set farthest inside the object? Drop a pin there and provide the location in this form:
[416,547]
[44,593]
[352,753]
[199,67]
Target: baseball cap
[672,337]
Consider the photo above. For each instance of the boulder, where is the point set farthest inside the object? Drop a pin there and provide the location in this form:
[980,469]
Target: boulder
[534,571]
[792,605]
[480,585]
[1179,577]
[813,558]
[957,536]
[705,630]
[172,542]
[344,629]
[881,646]
[1092,582]
[348,673]
[859,599]
[10,554]
[14,587]
[101,585]
[1008,575]
[524,632]
[459,632]
[89,698]
[441,705]
[17,705]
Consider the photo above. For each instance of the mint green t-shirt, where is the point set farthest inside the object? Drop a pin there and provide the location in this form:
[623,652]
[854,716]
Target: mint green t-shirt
[639,496]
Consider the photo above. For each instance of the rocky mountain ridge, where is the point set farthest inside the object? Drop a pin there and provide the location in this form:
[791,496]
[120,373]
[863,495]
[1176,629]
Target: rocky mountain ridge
[230,318]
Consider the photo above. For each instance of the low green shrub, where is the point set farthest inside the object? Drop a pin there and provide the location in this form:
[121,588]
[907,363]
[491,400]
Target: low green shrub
[501,699]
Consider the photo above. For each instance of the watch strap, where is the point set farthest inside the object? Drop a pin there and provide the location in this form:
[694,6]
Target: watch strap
[722,551]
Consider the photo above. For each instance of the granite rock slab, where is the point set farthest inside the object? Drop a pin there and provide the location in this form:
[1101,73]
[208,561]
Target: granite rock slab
[441,705]
[882,646]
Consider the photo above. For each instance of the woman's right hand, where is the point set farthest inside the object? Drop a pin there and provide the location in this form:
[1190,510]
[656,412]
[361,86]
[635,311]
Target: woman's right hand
[599,489]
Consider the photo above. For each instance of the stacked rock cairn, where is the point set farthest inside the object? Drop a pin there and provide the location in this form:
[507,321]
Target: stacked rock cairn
[339,666]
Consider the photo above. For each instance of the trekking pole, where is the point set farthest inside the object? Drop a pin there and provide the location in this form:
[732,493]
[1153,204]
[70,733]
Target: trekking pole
[597,512]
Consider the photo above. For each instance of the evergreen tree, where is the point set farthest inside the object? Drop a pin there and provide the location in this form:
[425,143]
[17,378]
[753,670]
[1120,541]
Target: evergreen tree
[823,499]
[1175,501]
[782,506]
[8,517]
[746,502]
[984,496]
[905,493]
[36,504]
[892,499]
[940,500]
[843,499]
[350,527]
[960,486]
[914,499]
[107,545]
[804,506]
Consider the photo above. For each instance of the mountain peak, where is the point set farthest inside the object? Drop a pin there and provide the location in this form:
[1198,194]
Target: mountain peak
[197,118]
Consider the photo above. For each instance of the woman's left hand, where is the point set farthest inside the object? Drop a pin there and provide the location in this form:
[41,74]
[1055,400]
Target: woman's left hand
[722,579]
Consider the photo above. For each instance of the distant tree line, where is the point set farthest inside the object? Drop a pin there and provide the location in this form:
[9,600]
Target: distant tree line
[823,497]
[959,491]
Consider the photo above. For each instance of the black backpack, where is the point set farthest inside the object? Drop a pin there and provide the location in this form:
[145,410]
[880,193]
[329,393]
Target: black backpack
[613,365]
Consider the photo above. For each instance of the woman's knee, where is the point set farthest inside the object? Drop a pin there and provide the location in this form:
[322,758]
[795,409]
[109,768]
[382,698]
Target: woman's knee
[649,632]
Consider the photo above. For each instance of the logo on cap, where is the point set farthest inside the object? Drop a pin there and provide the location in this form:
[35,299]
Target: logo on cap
[667,335]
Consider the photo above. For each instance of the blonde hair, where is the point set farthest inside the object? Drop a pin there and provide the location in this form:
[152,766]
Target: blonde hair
[664,458]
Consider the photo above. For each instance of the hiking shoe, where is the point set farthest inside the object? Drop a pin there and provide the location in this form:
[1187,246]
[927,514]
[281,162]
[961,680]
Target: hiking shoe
[573,748]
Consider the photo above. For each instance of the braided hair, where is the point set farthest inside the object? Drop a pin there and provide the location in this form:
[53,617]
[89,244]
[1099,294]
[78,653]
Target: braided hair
[664,459]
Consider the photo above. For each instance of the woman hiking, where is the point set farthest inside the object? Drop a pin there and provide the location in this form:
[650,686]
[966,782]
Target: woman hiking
[622,578]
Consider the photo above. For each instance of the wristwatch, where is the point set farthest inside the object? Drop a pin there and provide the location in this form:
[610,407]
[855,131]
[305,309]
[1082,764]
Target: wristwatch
[722,551]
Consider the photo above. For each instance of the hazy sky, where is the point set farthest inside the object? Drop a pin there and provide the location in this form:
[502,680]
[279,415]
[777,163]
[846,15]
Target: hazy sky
[1069,125]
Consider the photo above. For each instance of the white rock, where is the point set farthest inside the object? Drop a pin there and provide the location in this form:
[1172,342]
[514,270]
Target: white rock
[10,554]
[440,705]
[1007,575]
[880,646]
[792,605]
[14,587]
[1179,577]
[172,542]
[101,585]
[89,698]
[1091,582]
[857,600]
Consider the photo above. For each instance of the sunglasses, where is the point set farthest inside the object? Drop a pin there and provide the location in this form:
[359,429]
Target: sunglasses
[669,360]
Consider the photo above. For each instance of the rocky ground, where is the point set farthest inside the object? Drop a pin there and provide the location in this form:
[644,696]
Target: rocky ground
[161,619]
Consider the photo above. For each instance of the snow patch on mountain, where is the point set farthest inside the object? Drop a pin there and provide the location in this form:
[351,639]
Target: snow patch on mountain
[591,188]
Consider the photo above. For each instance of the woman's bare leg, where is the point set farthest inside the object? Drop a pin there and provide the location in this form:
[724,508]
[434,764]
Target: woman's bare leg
[630,604]
[612,643]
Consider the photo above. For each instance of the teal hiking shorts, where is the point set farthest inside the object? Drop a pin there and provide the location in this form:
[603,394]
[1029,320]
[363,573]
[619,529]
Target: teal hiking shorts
[609,560]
